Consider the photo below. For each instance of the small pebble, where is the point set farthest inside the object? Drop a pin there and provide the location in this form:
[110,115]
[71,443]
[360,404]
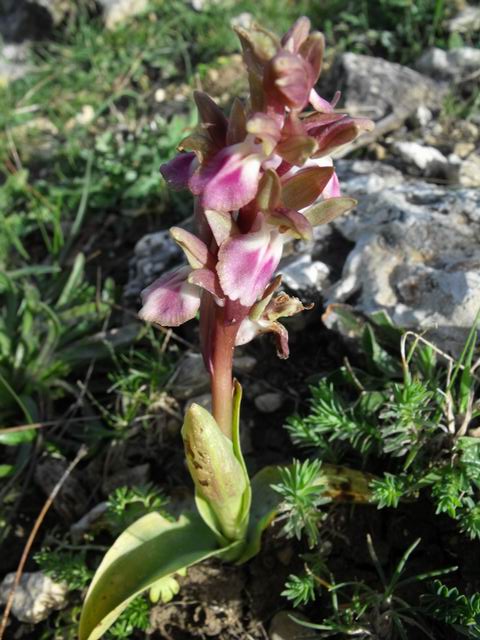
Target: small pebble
[269,402]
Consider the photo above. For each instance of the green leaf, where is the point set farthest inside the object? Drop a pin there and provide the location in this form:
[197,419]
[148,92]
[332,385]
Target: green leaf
[264,508]
[74,280]
[6,470]
[237,450]
[16,437]
[100,345]
[341,484]
[149,550]
[379,358]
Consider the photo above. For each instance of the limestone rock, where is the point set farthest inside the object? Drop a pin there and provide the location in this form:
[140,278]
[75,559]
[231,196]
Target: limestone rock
[243,20]
[86,522]
[127,477]
[243,364]
[58,9]
[269,402]
[428,160]
[469,173]
[303,274]
[468,20]
[203,5]
[35,597]
[360,177]
[115,12]
[71,501]
[21,20]
[416,255]
[283,627]
[376,88]
[449,65]
[190,378]
[13,62]
[154,254]
[204,400]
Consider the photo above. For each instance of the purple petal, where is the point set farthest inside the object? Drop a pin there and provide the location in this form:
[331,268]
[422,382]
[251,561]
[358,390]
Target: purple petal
[247,262]
[177,171]
[170,300]
[208,280]
[294,222]
[230,180]
[296,35]
[287,80]
[319,103]
[247,331]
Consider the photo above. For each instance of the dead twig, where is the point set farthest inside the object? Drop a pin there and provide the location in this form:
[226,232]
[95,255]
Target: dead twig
[31,538]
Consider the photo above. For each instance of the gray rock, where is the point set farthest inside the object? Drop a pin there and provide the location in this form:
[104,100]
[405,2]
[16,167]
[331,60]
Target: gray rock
[204,400]
[468,20]
[71,501]
[301,273]
[244,364]
[376,88]
[13,62]
[422,116]
[202,5]
[127,477]
[190,378]
[362,177]
[154,254]
[455,65]
[58,9]
[469,173]
[428,160]
[465,171]
[21,20]
[35,597]
[417,256]
[86,522]
[283,627]
[269,402]
[116,12]
[243,20]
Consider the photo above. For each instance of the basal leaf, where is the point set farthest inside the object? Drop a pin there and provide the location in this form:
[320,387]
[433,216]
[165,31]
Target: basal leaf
[147,551]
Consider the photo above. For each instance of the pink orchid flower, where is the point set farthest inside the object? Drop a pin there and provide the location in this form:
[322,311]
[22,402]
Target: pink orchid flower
[260,176]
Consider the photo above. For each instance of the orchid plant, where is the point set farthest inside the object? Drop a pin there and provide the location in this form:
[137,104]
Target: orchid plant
[260,177]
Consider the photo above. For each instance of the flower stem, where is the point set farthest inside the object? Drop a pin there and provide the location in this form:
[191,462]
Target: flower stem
[222,376]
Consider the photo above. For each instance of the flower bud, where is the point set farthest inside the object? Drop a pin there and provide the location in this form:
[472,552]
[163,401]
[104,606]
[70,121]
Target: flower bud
[218,476]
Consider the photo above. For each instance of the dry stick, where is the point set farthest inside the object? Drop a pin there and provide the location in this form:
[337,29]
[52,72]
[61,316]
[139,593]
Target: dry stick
[38,522]
[387,124]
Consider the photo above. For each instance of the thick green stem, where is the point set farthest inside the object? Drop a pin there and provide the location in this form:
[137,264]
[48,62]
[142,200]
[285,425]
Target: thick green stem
[222,376]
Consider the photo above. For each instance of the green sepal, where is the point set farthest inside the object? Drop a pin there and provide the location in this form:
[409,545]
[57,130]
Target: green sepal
[151,549]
